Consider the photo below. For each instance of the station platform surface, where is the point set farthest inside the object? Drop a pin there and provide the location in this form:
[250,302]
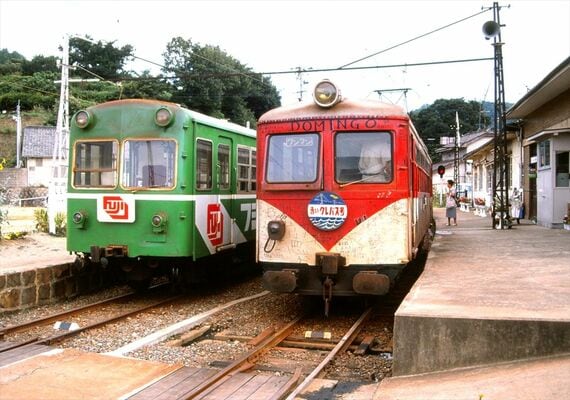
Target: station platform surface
[35,250]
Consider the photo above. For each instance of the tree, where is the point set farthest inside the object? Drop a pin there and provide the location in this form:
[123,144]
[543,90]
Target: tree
[437,120]
[40,64]
[146,86]
[99,59]
[212,82]
[10,62]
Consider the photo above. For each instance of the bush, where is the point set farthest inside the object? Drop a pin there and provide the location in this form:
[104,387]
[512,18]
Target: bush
[41,218]
[60,228]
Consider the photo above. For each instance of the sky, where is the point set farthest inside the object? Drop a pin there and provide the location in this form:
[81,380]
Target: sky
[269,36]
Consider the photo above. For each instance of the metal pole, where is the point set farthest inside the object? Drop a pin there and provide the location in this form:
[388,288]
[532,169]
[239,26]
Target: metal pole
[500,210]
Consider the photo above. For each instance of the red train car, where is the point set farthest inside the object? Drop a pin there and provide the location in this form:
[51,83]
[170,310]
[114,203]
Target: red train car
[344,197]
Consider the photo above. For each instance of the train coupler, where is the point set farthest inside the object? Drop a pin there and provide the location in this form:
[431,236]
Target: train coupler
[327,294]
[330,262]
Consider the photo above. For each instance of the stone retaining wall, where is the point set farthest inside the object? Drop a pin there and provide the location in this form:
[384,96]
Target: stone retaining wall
[48,285]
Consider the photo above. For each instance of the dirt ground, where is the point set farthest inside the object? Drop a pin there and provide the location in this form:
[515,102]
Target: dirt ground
[34,249]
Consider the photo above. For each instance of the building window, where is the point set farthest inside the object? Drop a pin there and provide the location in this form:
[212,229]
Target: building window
[562,169]
[544,154]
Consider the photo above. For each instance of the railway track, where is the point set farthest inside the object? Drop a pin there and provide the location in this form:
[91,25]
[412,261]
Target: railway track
[214,383]
[92,316]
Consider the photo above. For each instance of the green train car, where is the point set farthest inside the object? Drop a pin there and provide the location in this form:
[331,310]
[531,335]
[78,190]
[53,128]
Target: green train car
[155,188]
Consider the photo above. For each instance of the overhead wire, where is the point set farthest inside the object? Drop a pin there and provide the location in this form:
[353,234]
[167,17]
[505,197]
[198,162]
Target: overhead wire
[415,38]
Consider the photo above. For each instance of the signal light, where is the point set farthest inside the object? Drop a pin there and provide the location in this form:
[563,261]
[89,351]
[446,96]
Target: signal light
[441,171]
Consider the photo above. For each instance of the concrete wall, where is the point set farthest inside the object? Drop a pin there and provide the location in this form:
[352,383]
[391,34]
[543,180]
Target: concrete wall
[48,285]
[435,344]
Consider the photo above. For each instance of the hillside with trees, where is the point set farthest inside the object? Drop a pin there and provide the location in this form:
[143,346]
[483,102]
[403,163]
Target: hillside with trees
[203,78]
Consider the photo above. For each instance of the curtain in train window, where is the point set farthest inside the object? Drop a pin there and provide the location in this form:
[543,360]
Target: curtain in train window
[363,157]
[95,164]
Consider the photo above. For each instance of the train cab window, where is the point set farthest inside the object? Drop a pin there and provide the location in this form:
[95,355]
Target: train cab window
[363,157]
[95,164]
[246,169]
[292,158]
[203,165]
[149,164]
[224,166]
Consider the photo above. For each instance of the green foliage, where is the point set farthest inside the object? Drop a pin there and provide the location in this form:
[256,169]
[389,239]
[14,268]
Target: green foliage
[60,226]
[40,64]
[438,120]
[41,218]
[100,59]
[214,83]
[10,62]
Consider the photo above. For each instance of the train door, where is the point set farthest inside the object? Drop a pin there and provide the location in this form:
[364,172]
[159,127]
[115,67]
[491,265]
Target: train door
[225,200]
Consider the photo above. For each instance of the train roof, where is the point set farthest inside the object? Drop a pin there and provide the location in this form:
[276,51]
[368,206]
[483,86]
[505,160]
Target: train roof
[345,109]
[195,115]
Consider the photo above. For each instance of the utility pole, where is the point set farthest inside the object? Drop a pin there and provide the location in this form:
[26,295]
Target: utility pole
[456,152]
[57,189]
[302,83]
[500,212]
[18,119]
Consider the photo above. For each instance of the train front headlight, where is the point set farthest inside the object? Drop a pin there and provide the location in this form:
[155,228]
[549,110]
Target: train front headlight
[163,117]
[79,218]
[158,222]
[326,94]
[83,119]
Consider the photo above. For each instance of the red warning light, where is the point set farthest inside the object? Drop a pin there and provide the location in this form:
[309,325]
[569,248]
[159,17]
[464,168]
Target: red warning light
[441,171]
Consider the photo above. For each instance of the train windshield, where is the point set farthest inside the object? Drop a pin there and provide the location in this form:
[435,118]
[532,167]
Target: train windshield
[148,163]
[292,158]
[95,163]
[363,157]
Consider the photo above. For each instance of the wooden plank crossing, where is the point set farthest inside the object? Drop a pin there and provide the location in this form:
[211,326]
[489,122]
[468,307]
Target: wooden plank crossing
[240,386]
[20,353]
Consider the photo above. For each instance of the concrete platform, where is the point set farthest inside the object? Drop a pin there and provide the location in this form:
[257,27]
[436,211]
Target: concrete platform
[37,269]
[486,296]
[72,374]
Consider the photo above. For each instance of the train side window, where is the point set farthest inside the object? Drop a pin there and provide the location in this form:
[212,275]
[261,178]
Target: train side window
[363,157]
[203,165]
[246,169]
[95,164]
[224,166]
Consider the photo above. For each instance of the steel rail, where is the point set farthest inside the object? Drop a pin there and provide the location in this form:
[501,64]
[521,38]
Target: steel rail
[342,345]
[56,338]
[245,361]
[53,317]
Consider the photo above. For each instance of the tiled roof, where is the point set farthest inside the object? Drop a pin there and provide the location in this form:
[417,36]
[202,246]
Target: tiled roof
[38,141]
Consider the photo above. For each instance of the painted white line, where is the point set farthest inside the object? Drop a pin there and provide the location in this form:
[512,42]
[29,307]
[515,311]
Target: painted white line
[178,327]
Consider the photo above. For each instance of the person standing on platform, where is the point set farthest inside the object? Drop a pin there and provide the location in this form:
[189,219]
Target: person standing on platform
[516,205]
[451,203]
